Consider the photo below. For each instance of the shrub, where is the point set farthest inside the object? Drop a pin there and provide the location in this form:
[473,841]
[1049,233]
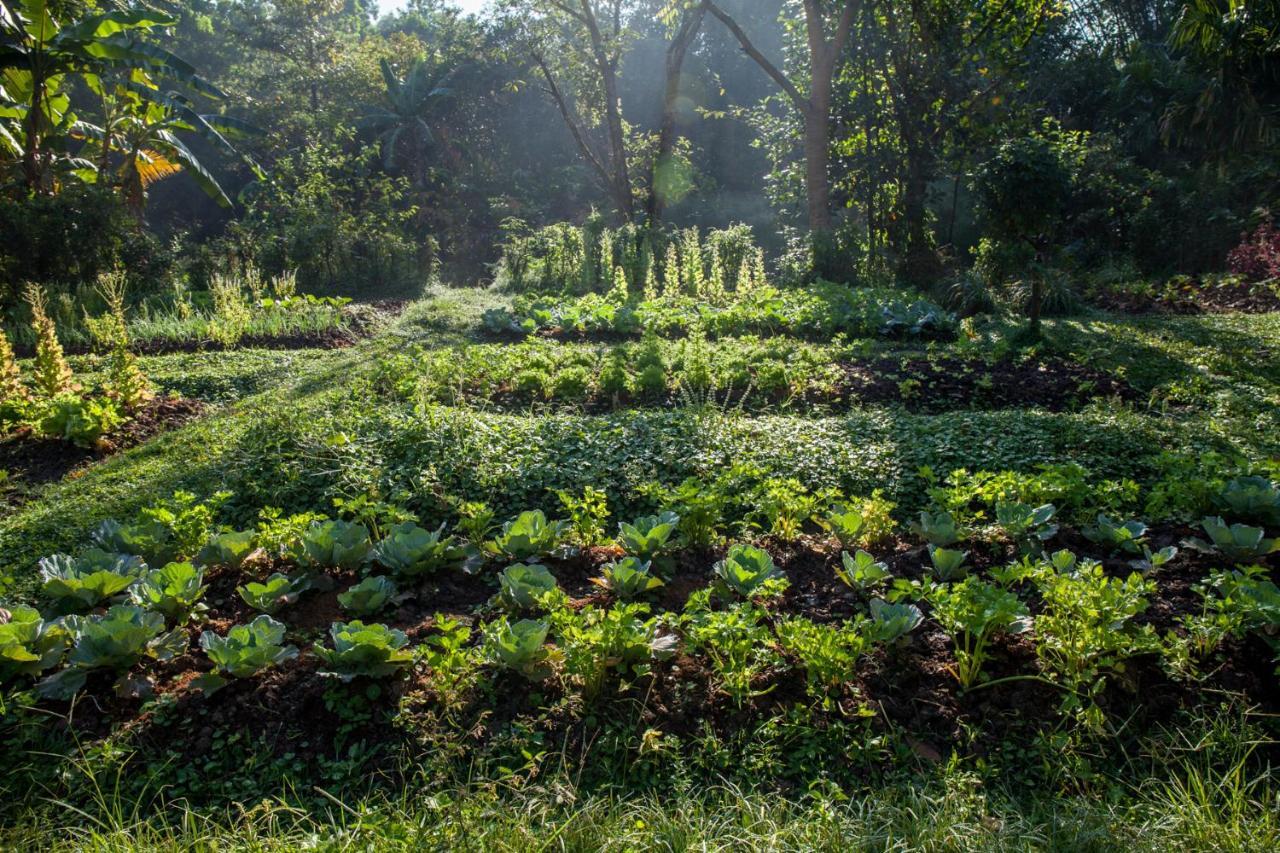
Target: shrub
[1257,258]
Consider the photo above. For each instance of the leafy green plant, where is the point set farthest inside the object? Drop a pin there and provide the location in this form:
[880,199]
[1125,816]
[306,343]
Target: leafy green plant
[828,653]
[1128,536]
[451,665]
[83,421]
[737,641]
[974,612]
[246,650]
[1253,499]
[594,642]
[1237,542]
[1029,527]
[1086,631]
[627,578]
[369,596]
[371,651]
[115,641]
[862,572]
[276,592]
[939,528]
[650,537]
[527,536]
[410,551]
[587,515]
[523,586]
[1152,561]
[173,590]
[88,579]
[847,525]
[948,565]
[892,622]
[167,532]
[229,548]
[334,544]
[29,645]
[749,571]
[520,646]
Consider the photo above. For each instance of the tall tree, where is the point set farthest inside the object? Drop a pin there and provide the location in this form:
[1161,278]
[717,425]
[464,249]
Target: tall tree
[684,18]
[827,27]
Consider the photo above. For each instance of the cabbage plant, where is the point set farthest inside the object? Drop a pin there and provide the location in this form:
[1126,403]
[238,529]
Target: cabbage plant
[29,645]
[627,578]
[173,590]
[1252,498]
[522,586]
[846,524]
[650,537]
[948,565]
[939,528]
[88,579]
[862,571]
[410,550]
[748,571]
[369,596]
[1128,536]
[334,544]
[229,549]
[1237,542]
[116,641]
[276,592]
[520,647]
[152,540]
[247,650]
[527,536]
[372,650]
[1029,527]
[892,622]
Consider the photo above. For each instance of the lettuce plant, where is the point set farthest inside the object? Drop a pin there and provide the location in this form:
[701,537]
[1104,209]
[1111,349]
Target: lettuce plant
[650,537]
[115,641]
[862,572]
[973,612]
[526,537]
[1128,536]
[627,578]
[229,549]
[247,650]
[410,551]
[1237,542]
[372,650]
[334,544]
[369,596]
[87,580]
[520,647]
[939,528]
[523,586]
[1029,527]
[892,622]
[276,592]
[748,571]
[173,590]
[948,565]
[1252,498]
[28,644]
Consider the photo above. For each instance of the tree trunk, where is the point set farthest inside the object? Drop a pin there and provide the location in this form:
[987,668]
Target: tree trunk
[662,159]
[31,156]
[817,148]
[607,68]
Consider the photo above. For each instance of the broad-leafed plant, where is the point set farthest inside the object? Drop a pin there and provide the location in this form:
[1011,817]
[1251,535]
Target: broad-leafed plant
[528,536]
[948,565]
[173,590]
[737,641]
[275,593]
[939,528]
[846,524]
[649,538]
[862,572]
[627,578]
[525,585]
[246,650]
[1128,537]
[1027,526]
[1237,542]
[229,548]
[1255,499]
[369,596]
[973,613]
[334,544]
[76,584]
[520,647]
[29,645]
[115,641]
[892,622]
[410,550]
[372,651]
[748,571]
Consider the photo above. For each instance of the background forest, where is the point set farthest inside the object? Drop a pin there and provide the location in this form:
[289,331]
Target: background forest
[938,143]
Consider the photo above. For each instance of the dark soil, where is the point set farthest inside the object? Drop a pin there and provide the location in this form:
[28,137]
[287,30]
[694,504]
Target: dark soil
[1197,298]
[910,686]
[33,461]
